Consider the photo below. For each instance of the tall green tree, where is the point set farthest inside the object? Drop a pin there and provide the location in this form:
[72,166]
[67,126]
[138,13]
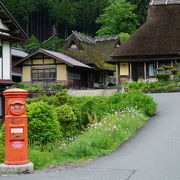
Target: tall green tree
[118,17]
[67,17]
[20,9]
[141,9]
[86,13]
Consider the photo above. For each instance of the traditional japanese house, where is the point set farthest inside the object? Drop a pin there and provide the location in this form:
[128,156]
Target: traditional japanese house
[155,43]
[46,68]
[93,52]
[10,32]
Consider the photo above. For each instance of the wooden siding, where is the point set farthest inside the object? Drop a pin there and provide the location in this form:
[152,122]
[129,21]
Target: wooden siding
[26,73]
[62,73]
[124,69]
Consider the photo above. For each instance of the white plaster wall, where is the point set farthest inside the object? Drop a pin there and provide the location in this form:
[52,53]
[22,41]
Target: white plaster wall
[3,26]
[0,62]
[6,52]
[0,68]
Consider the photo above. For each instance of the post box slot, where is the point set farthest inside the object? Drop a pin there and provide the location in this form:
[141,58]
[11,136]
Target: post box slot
[17,133]
[17,136]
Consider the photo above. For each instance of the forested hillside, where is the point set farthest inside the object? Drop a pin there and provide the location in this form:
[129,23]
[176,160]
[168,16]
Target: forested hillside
[93,17]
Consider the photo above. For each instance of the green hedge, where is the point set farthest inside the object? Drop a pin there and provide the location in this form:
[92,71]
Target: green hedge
[153,87]
[43,125]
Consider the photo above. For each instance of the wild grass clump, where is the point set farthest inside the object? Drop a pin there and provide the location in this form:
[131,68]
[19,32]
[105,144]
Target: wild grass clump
[103,137]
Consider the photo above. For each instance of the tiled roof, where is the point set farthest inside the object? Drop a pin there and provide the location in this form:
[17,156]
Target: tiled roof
[18,52]
[90,40]
[67,59]
[106,38]
[58,56]
[164,2]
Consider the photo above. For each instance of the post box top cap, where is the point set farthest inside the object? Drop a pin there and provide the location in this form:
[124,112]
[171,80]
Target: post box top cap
[15,91]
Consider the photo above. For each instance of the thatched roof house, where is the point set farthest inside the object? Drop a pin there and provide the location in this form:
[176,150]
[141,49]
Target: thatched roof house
[91,51]
[155,43]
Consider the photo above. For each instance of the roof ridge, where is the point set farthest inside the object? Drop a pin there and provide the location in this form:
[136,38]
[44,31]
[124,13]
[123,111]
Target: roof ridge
[84,37]
[163,2]
[107,38]
[17,49]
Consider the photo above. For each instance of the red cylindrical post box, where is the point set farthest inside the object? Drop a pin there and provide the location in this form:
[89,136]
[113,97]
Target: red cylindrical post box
[16,139]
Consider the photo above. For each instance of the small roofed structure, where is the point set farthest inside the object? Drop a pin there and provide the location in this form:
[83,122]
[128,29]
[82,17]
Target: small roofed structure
[46,68]
[93,52]
[155,43]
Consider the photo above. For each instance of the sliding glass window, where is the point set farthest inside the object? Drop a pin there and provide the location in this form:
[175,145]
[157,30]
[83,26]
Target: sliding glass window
[44,74]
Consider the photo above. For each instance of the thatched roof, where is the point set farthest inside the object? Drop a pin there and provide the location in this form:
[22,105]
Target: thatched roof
[15,32]
[92,51]
[160,35]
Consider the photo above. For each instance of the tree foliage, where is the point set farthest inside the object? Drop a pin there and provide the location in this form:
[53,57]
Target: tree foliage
[32,44]
[124,37]
[113,16]
[141,7]
[118,17]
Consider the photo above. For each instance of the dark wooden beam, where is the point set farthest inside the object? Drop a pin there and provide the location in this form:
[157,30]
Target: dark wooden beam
[15,31]
[3,30]
[2,10]
[42,64]
[6,21]
[41,58]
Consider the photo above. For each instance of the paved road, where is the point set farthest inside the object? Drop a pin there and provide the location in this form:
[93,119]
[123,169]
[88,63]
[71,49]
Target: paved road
[152,154]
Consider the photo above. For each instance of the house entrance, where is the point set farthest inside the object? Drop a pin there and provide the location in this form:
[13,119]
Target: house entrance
[137,70]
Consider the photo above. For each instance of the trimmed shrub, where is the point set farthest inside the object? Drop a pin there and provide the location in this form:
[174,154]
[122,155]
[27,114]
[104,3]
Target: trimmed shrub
[166,68]
[134,99]
[62,98]
[20,85]
[56,87]
[43,124]
[174,72]
[67,119]
[42,98]
[163,77]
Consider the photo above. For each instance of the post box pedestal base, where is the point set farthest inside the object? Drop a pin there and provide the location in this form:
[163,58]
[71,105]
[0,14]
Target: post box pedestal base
[16,169]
